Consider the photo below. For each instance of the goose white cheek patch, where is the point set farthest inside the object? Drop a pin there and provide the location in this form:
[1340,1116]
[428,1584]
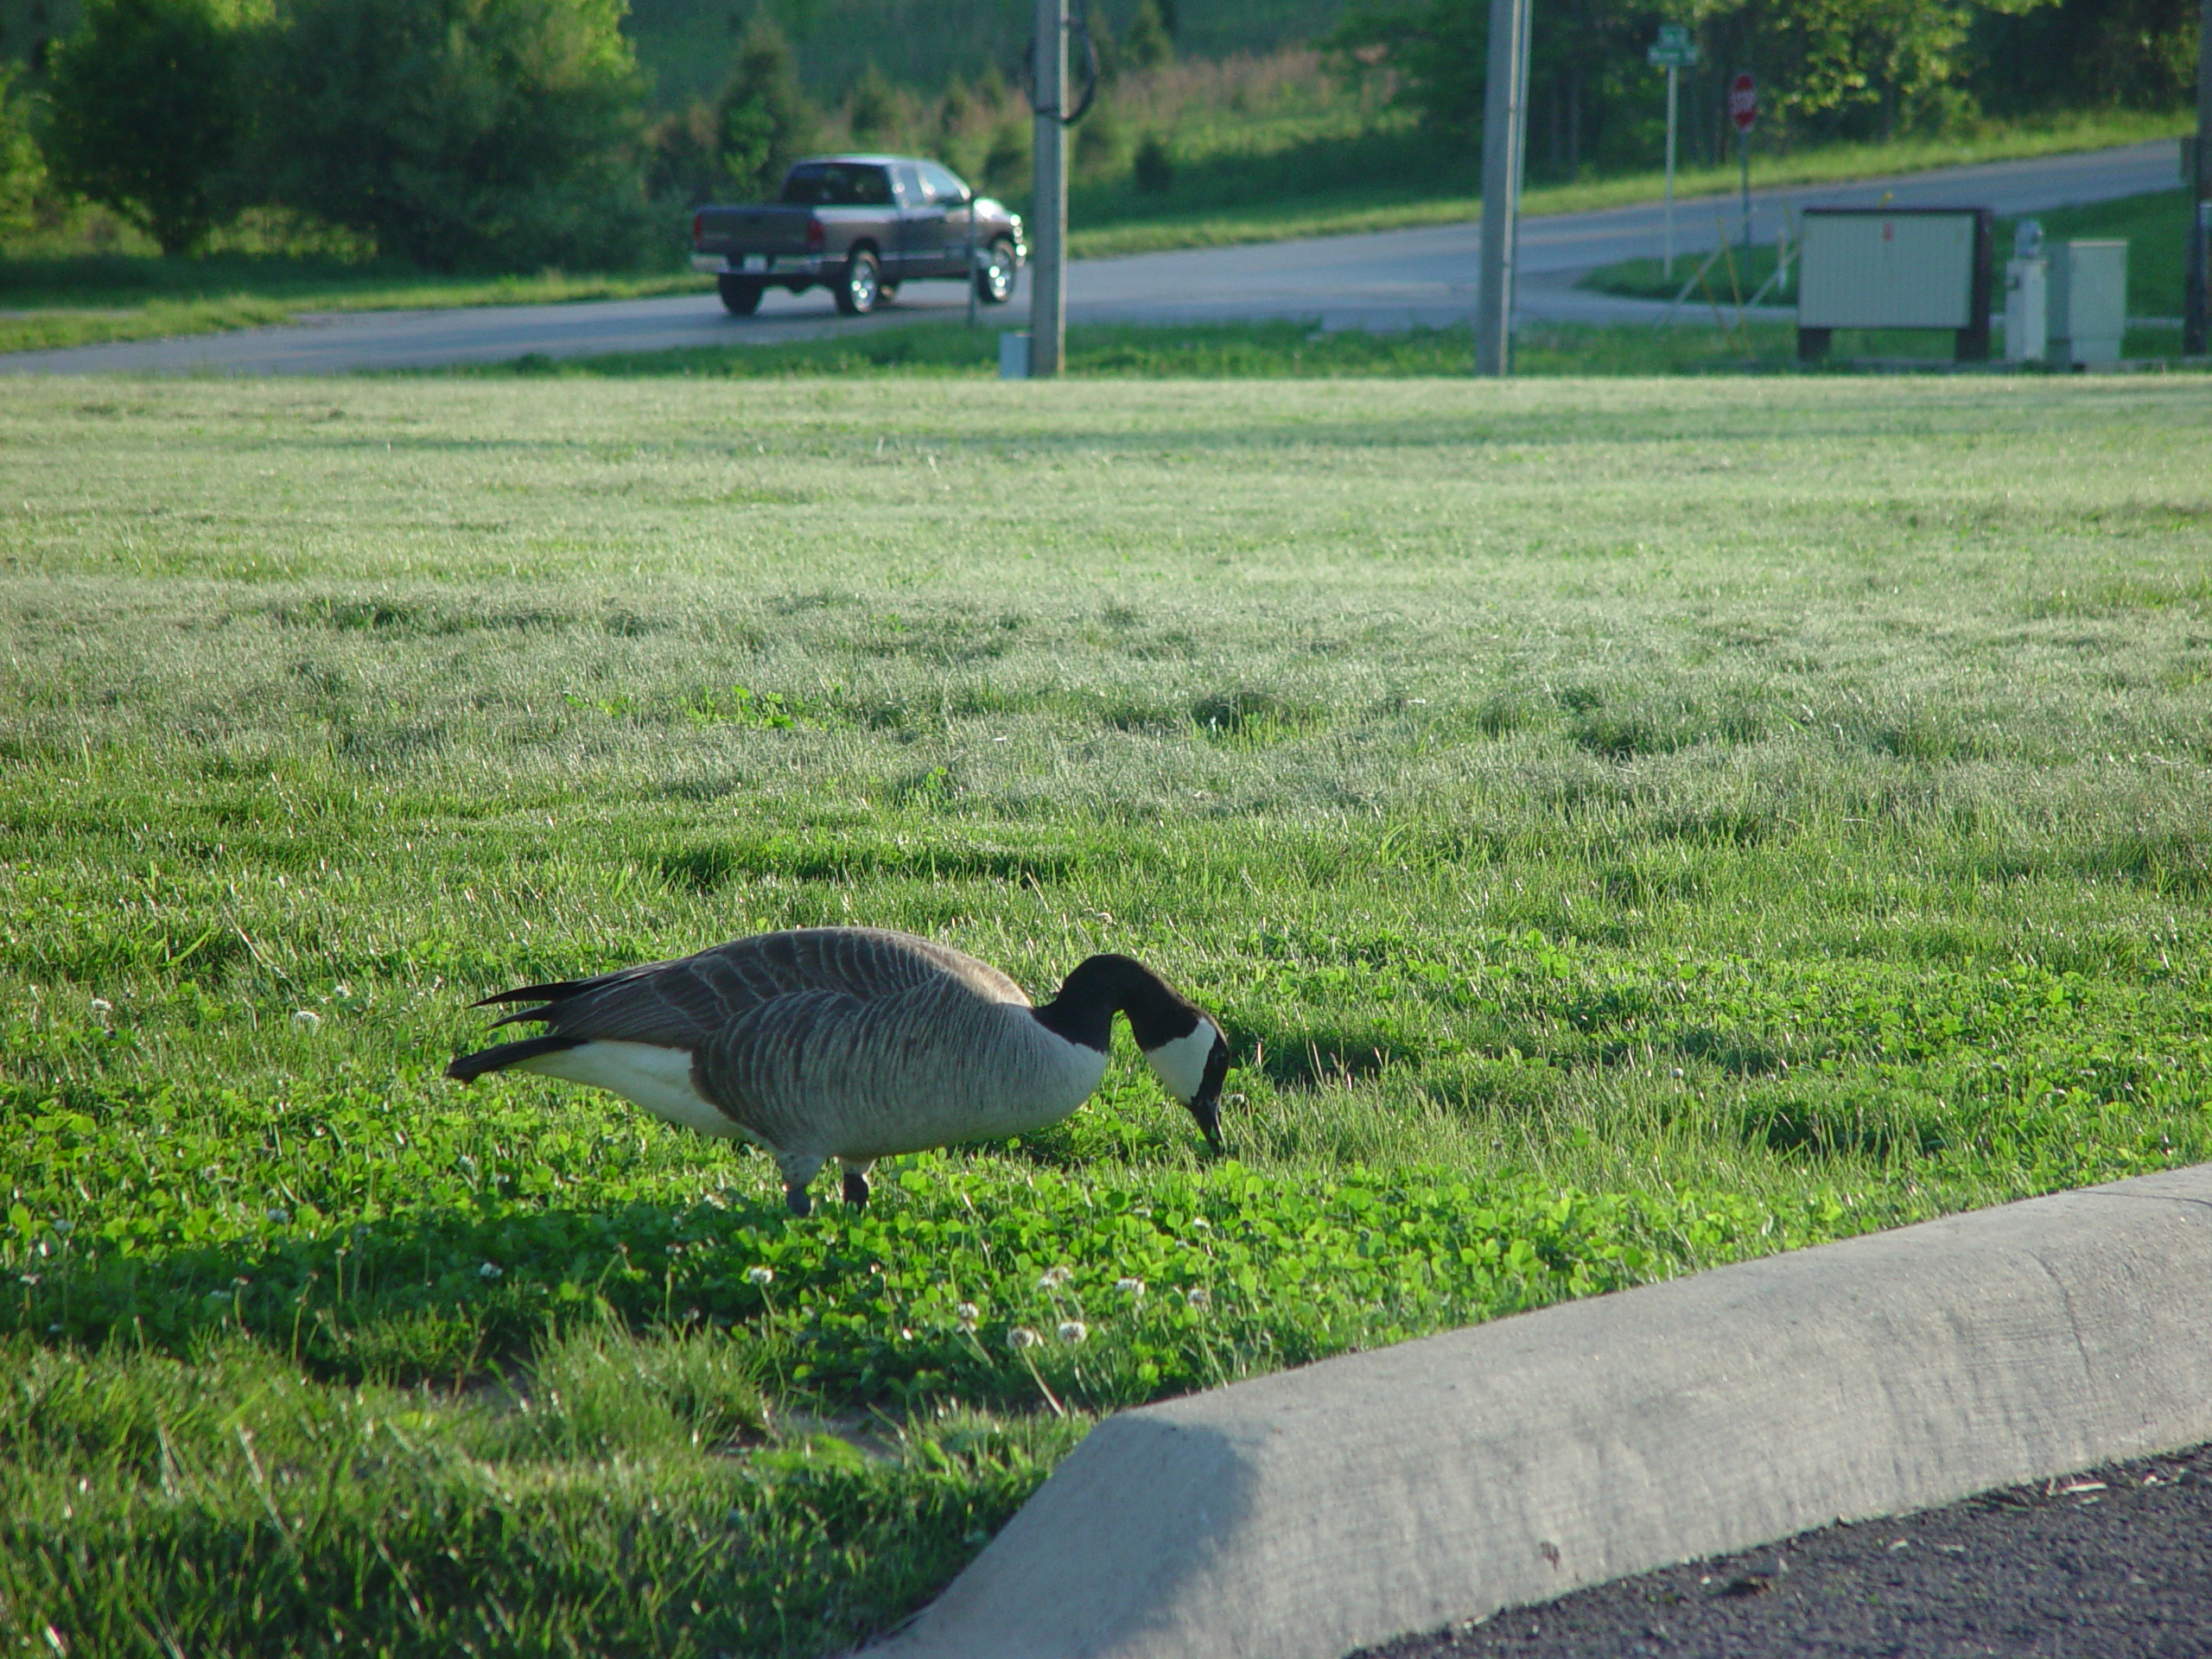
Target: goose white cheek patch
[1181,1064]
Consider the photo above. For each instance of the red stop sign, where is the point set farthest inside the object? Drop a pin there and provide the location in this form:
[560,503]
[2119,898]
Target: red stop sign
[1744,101]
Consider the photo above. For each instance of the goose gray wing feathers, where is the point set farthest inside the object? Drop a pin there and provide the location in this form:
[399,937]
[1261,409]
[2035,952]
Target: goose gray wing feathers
[691,1001]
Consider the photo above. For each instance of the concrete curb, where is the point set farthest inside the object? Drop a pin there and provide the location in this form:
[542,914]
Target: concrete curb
[1304,1515]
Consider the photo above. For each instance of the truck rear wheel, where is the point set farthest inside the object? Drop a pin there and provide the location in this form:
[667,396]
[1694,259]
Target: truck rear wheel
[994,273]
[739,298]
[862,285]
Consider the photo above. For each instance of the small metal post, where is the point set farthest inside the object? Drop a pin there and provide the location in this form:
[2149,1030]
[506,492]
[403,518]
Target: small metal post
[1743,143]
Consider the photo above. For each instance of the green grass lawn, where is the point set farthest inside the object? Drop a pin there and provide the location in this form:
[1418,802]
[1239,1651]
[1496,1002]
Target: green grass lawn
[1625,826]
[1281,350]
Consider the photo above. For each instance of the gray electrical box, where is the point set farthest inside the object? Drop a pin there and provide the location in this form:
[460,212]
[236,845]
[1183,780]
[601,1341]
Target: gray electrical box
[1894,267]
[2086,297]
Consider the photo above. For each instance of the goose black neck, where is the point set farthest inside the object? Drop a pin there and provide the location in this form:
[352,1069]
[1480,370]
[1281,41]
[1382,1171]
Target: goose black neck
[1105,986]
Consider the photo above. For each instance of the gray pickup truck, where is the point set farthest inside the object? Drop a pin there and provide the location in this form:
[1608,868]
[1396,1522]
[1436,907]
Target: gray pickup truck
[858,225]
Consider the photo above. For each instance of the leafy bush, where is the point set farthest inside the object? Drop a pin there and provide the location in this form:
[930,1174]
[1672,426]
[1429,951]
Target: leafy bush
[1150,41]
[1153,168]
[149,104]
[461,133]
[22,169]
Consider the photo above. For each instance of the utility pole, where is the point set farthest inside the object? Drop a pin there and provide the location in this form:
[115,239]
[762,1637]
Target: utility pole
[2196,306]
[1048,230]
[1505,129]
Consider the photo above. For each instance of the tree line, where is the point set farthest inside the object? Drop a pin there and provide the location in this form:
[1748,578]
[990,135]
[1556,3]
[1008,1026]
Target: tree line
[516,134]
[1828,70]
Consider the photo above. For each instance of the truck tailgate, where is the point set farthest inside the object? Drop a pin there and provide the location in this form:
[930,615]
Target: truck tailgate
[753,230]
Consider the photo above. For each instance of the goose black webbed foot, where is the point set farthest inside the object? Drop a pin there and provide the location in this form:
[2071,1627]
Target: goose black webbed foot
[855,1189]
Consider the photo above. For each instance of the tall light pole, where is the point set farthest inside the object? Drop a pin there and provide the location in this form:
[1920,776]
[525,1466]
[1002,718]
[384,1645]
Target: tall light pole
[1048,230]
[2196,306]
[1504,128]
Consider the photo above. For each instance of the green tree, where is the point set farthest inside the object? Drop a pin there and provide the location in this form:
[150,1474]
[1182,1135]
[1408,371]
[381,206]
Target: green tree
[496,134]
[21,168]
[765,120]
[147,102]
[1149,41]
[872,107]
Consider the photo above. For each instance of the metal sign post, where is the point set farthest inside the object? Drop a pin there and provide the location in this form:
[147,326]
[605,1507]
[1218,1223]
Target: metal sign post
[1049,232]
[1743,110]
[1676,51]
[1505,129]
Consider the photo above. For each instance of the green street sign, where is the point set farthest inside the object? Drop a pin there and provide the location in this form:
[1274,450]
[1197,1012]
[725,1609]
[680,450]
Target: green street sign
[1673,49]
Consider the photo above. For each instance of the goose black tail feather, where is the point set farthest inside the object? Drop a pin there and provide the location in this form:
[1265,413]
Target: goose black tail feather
[466,1068]
[552,992]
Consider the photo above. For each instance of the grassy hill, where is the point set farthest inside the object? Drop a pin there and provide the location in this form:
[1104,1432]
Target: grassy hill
[924,44]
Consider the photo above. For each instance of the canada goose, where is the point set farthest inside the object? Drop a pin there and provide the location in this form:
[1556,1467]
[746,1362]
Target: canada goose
[856,1043]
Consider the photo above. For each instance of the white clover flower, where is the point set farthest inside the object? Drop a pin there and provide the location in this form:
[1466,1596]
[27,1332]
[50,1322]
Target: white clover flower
[760,1276]
[968,1313]
[1198,1296]
[1130,1287]
[1072,1331]
[306,1019]
[1022,1337]
[102,1007]
[491,1270]
[1201,1224]
[1054,1278]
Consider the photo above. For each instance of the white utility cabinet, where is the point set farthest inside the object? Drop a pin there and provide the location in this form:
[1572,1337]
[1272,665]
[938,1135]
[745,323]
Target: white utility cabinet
[1894,267]
[2087,302]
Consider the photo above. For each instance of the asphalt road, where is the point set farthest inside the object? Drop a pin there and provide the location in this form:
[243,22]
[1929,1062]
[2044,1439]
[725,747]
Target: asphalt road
[1388,279]
[2113,1565]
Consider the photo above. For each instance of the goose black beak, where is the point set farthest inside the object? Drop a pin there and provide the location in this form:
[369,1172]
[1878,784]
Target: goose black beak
[1205,1105]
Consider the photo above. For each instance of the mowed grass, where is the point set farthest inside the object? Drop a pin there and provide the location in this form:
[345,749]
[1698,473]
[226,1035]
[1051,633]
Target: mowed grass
[1626,827]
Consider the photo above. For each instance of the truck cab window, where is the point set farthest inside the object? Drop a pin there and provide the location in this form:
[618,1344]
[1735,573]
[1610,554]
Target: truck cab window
[837,184]
[943,187]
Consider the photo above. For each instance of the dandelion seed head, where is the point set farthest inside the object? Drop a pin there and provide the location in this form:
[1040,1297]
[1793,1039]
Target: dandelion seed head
[306,1019]
[1198,1296]
[968,1313]
[1053,1278]
[1022,1337]
[759,1275]
[491,1270]
[1129,1287]
[1072,1331]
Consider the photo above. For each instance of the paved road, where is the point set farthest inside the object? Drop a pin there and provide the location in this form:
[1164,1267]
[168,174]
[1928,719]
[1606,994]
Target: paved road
[1388,279]
[2114,1565]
